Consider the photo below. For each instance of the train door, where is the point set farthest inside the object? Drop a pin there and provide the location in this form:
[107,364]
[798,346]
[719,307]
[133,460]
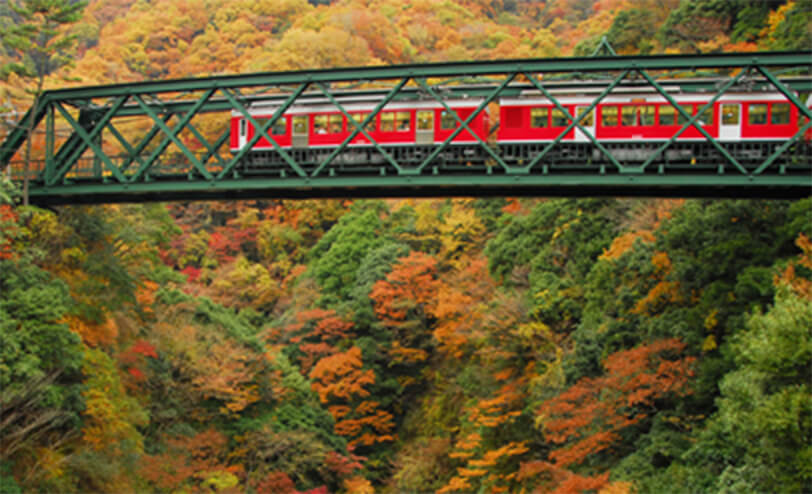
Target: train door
[243,135]
[424,135]
[299,131]
[587,123]
[730,122]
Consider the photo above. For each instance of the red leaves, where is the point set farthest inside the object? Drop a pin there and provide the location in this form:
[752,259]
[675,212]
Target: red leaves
[144,348]
[192,273]
[8,227]
[187,460]
[317,331]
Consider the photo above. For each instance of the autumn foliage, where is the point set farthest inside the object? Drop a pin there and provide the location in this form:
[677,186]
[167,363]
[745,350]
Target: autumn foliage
[397,345]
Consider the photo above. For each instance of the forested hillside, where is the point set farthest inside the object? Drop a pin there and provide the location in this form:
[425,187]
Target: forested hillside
[449,345]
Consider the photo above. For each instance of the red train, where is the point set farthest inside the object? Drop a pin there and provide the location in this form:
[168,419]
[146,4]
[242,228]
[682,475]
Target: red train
[398,124]
[631,124]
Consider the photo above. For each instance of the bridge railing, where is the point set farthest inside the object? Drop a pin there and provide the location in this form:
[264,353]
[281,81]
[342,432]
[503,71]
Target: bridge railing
[119,141]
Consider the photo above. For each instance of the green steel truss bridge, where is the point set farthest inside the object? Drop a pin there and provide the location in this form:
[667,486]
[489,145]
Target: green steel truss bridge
[169,140]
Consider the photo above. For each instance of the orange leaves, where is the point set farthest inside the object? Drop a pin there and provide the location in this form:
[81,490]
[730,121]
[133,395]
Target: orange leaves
[409,287]
[492,457]
[621,244]
[500,409]
[485,468]
[403,355]
[340,376]
[589,415]
[798,283]
[664,292]
[358,485]
[645,223]
[93,334]
[461,306]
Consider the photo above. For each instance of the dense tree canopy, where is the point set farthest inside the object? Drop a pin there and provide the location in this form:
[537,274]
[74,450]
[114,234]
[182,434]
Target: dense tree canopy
[446,345]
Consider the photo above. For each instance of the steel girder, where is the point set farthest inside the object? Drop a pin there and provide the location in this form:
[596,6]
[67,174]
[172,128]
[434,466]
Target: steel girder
[176,132]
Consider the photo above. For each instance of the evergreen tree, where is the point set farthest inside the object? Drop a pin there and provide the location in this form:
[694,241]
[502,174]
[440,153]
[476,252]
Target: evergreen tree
[38,45]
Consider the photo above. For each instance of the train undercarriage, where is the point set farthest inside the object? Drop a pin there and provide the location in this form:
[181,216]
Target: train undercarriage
[688,157]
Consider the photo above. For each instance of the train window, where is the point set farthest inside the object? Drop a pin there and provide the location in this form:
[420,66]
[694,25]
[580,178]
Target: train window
[335,123]
[360,117]
[609,115]
[647,115]
[630,115]
[779,113]
[300,124]
[667,115]
[558,118]
[589,120]
[425,120]
[447,121]
[388,121]
[730,114]
[706,118]
[403,121]
[260,122]
[320,124]
[242,127]
[277,128]
[539,117]
[280,126]
[757,114]
[688,109]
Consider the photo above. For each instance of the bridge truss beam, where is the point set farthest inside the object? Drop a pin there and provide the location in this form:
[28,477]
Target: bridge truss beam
[168,140]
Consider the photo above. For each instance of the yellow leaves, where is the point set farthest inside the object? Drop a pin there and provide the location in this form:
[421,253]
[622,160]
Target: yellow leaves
[358,485]
[110,416]
[460,230]
[711,321]
[50,462]
[709,344]
[775,18]
[618,487]
[533,330]
[93,334]
[230,377]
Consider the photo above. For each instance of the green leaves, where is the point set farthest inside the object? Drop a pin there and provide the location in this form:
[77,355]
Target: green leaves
[765,411]
[35,39]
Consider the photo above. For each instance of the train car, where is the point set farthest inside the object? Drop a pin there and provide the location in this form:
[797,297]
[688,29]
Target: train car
[324,126]
[735,117]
